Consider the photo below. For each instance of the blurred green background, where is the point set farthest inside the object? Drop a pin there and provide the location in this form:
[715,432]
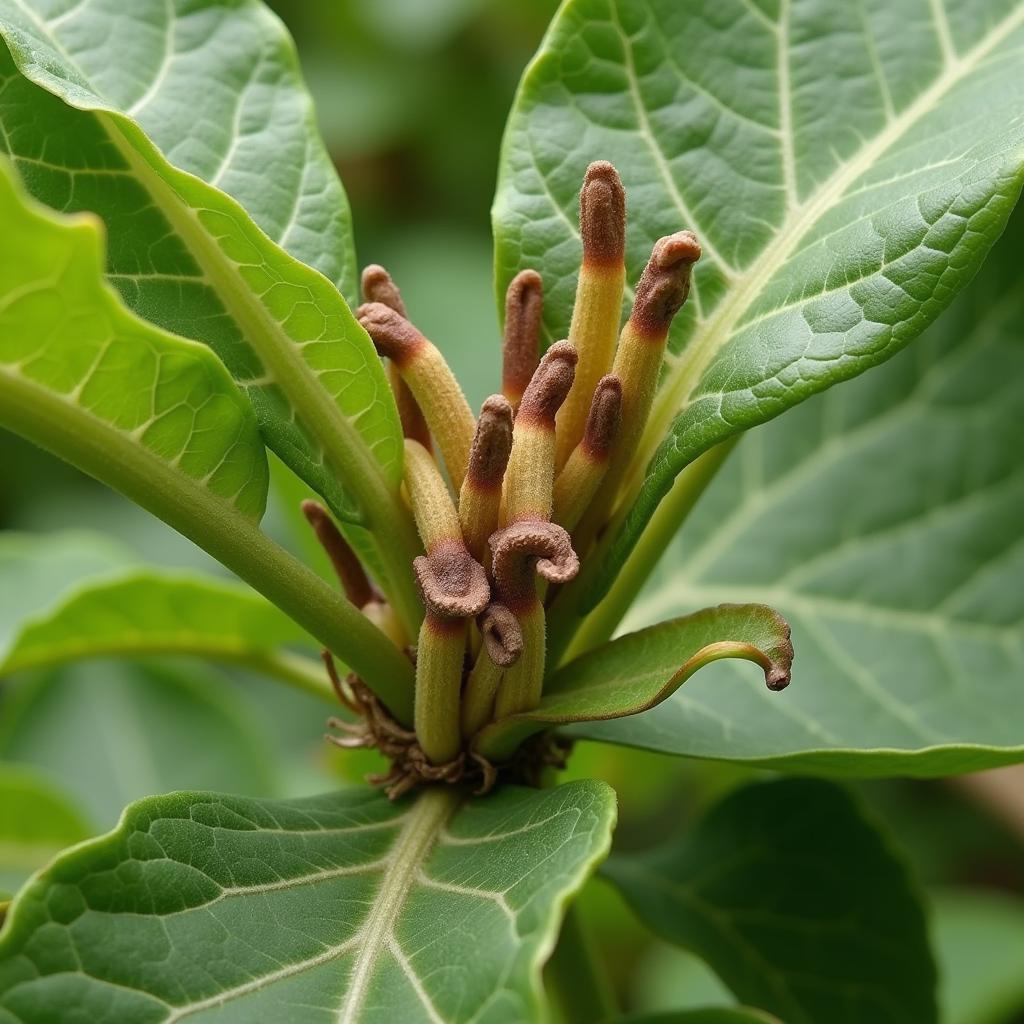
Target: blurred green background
[412,97]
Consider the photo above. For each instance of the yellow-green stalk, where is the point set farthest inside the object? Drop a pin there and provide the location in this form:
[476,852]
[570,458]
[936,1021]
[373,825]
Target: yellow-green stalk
[598,308]
[520,553]
[454,588]
[480,497]
[530,476]
[524,304]
[581,476]
[378,286]
[502,647]
[431,381]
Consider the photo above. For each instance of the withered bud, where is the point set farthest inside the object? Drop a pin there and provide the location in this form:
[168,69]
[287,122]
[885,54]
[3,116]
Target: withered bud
[492,444]
[549,385]
[502,635]
[524,304]
[603,216]
[394,337]
[529,546]
[604,417]
[347,566]
[453,583]
[665,282]
[378,286]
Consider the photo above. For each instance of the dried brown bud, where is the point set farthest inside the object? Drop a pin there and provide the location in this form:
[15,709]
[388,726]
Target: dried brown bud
[454,584]
[525,547]
[394,337]
[492,444]
[665,283]
[604,418]
[548,386]
[524,305]
[502,636]
[603,216]
[378,286]
[347,566]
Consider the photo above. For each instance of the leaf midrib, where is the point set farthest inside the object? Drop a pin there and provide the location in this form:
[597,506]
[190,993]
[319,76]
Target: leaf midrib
[685,376]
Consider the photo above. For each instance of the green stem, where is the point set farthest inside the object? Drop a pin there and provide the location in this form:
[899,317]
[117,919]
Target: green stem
[577,984]
[572,633]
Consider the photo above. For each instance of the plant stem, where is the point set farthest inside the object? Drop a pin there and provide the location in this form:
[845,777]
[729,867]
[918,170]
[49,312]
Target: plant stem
[573,634]
[575,980]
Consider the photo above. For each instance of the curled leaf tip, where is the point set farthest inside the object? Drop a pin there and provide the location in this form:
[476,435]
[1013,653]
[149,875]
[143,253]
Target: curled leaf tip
[549,385]
[604,417]
[502,634]
[453,583]
[492,443]
[603,215]
[378,286]
[665,283]
[529,546]
[393,336]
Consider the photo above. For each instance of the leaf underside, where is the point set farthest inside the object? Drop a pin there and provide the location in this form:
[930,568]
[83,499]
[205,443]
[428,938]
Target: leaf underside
[883,521]
[367,911]
[846,167]
[176,123]
[795,900]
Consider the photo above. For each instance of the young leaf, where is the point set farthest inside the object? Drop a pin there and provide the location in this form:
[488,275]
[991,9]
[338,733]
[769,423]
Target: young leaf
[794,898]
[147,612]
[187,256]
[979,935]
[37,821]
[343,907]
[845,169]
[883,521]
[155,417]
[113,732]
[640,670]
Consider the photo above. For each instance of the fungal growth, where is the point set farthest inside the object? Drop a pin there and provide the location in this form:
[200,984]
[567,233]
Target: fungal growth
[507,503]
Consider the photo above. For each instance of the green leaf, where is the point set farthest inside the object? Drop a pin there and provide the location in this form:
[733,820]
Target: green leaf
[711,1015]
[979,935]
[143,118]
[794,898]
[637,672]
[147,612]
[364,910]
[845,166]
[883,521]
[157,418]
[37,821]
[111,732]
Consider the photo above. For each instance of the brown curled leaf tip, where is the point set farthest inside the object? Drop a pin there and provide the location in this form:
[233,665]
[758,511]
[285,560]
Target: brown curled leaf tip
[453,583]
[549,385]
[603,215]
[524,304]
[379,286]
[604,417]
[778,676]
[393,335]
[529,546]
[492,443]
[665,282]
[502,634]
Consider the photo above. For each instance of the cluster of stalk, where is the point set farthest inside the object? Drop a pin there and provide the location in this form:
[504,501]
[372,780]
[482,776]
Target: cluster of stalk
[506,500]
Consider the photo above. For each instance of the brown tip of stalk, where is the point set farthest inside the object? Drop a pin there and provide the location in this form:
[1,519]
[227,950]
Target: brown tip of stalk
[502,634]
[603,216]
[526,547]
[453,583]
[393,335]
[604,417]
[379,286]
[347,567]
[665,282]
[492,444]
[549,385]
[524,304]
